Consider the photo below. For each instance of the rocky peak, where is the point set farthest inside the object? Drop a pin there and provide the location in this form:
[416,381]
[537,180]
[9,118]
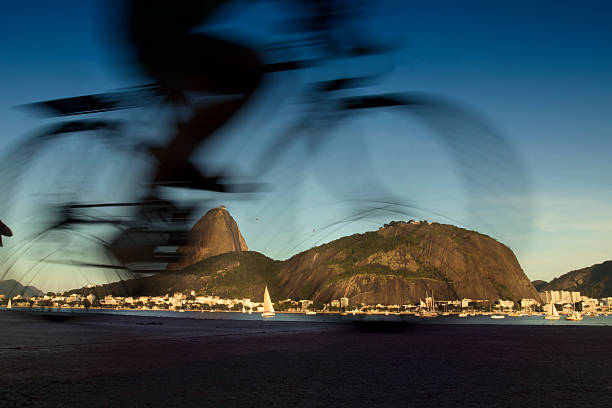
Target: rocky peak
[214,234]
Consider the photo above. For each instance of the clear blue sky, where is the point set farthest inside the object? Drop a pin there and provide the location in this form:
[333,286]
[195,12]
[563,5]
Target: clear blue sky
[539,71]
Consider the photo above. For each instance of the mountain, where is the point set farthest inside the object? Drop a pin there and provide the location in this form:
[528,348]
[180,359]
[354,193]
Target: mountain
[539,285]
[594,281]
[401,261]
[215,233]
[397,264]
[11,287]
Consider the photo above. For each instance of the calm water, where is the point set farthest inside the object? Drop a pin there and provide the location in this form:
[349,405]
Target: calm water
[336,318]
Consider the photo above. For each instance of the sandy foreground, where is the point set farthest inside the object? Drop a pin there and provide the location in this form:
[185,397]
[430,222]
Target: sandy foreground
[105,361]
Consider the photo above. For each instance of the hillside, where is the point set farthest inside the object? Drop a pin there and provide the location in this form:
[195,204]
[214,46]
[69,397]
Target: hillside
[539,285]
[593,281]
[230,275]
[401,261]
[12,288]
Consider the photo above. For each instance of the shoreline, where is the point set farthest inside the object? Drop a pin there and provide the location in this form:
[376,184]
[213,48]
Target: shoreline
[480,319]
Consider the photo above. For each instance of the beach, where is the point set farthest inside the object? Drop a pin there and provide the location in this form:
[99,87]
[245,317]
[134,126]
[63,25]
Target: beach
[103,360]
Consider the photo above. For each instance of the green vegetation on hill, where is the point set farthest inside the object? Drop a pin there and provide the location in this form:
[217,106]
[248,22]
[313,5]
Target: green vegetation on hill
[358,247]
[230,275]
[235,273]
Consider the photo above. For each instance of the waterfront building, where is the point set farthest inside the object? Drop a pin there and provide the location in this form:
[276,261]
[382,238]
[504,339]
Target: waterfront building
[344,302]
[526,303]
[109,300]
[505,304]
[589,303]
[304,304]
[177,301]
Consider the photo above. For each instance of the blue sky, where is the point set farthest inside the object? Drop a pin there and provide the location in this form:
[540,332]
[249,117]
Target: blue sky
[539,72]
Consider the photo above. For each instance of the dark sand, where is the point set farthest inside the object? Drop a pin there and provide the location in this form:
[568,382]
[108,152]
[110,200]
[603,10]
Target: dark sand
[98,361]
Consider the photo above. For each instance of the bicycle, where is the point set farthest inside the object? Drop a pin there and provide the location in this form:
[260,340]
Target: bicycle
[140,235]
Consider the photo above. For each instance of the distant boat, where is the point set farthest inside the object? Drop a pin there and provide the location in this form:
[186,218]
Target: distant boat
[496,316]
[268,309]
[463,315]
[243,309]
[574,316]
[310,312]
[9,305]
[551,312]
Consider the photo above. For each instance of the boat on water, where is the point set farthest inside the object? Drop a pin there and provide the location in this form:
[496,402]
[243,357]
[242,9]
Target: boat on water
[498,316]
[310,312]
[9,305]
[268,309]
[243,309]
[551,312]
[463,315]
[574,316]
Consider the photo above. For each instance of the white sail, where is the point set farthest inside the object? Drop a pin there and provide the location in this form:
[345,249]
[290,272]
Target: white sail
[268,309]
[9,305]
[552,310]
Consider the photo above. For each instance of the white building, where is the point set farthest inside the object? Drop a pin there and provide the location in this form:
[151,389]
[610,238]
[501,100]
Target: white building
[589,303]
[525,303]
[304,304]
[110,300]
[562,296]
[465,303]
[344,302]
[505,304]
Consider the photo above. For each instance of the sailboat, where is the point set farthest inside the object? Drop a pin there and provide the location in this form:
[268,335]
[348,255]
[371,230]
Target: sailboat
[575,315]
[268,310]
[9,305]
[551,312]
[243,309]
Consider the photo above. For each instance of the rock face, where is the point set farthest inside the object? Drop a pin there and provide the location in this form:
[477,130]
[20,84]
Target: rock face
[214,234]
[594,281]
[400,262]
